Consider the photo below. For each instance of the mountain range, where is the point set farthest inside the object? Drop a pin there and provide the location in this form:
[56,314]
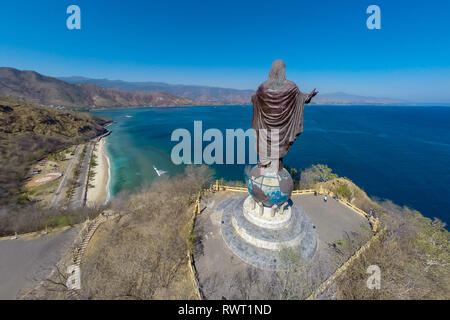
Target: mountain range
[205,94]
[215,95]
[35,88]
[345,98]
[87,93]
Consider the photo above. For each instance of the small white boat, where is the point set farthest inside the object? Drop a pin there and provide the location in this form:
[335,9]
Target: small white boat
[159,172]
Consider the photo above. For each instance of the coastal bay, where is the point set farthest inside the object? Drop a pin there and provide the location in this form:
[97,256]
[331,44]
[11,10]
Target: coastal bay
[393,152]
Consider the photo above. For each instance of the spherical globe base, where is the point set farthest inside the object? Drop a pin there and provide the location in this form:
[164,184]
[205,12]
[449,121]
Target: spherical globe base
[269,187]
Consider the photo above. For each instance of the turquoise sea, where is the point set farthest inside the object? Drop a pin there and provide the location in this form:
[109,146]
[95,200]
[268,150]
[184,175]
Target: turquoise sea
[393,152]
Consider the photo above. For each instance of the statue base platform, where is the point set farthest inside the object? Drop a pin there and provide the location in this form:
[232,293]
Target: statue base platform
[261,236]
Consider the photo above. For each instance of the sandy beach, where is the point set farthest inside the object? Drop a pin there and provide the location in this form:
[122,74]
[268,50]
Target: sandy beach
[97,194]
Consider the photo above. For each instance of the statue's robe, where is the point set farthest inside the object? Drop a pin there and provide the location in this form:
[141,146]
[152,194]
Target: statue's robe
[281,109]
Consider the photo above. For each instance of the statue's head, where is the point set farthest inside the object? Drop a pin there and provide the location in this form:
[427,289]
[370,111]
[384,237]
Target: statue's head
[277,75]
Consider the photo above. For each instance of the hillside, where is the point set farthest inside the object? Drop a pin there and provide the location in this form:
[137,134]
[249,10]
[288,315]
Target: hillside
[211,95]
[29,132]
[345,98]
[86,93]
[102,97]
[35,88]
[413,255]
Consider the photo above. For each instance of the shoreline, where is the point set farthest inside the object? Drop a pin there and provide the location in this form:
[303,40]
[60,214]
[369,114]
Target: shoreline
[108,187]
[98,193]
[445,105]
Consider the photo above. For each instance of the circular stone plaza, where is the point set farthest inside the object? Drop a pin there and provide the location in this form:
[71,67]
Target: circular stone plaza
[257,234]
[237,241]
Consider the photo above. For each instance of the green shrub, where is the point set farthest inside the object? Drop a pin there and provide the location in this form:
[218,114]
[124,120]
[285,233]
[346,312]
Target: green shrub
[344,191]
[315,174]
[60,221]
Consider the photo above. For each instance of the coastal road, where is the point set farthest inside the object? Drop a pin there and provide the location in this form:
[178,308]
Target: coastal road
[58,195]
[24,262]
[78,198]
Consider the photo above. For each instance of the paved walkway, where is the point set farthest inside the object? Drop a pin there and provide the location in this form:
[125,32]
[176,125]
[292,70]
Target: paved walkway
[332,219]
[22,262]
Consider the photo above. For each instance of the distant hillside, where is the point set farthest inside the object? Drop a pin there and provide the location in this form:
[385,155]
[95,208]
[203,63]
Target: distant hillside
[29,132]
[85,93]
[214,95]
[345,98]
[209,95]
[35,88]
[102,97]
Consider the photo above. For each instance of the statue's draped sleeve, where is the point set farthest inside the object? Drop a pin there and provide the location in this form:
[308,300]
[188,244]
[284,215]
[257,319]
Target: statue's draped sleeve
[280,109]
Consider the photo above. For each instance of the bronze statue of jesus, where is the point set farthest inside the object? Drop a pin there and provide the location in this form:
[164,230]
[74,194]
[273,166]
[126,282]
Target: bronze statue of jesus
[278,105]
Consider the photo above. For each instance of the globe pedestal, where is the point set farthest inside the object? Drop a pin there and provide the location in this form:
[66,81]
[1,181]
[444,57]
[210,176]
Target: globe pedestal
[267,217]
[259,227]
[270,187]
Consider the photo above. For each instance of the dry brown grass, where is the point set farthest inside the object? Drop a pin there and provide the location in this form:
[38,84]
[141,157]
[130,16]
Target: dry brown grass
[413,256]
[144,253]
[32,218]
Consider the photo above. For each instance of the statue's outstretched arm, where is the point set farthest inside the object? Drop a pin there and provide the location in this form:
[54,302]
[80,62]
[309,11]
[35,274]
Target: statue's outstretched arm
[311,95]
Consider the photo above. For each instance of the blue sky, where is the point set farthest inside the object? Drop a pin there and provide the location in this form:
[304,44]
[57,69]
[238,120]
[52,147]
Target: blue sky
[325,43]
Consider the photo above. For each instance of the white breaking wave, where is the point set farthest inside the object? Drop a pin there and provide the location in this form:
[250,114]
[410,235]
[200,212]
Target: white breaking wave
[159,172]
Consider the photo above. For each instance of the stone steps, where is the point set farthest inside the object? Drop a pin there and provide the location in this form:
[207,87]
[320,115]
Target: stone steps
[290,233]
[245,239]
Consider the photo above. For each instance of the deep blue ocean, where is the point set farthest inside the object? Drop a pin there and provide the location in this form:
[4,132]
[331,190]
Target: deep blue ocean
[392,152]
